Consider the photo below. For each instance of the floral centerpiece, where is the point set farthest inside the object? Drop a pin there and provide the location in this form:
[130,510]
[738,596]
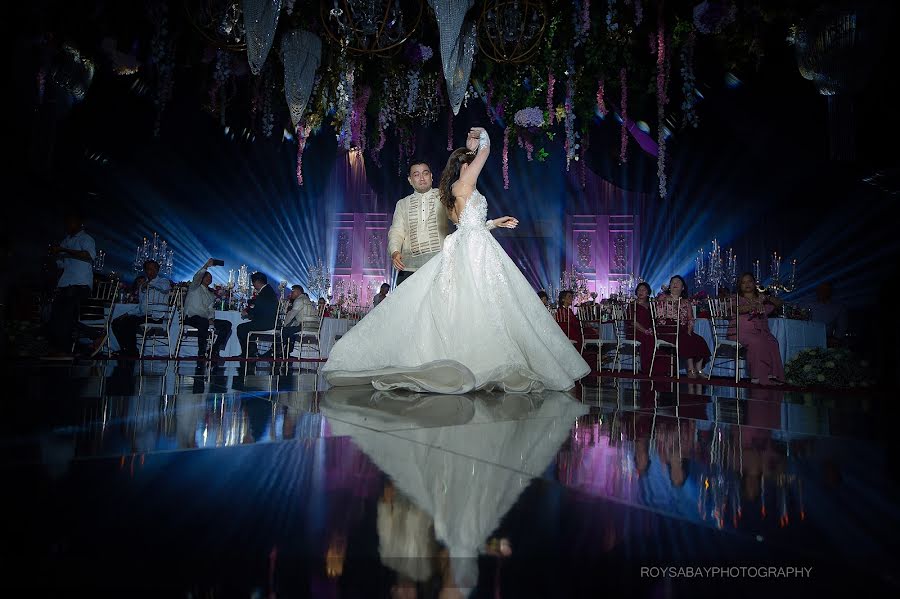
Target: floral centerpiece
[795,312]
[224,296]
[833,367]
[700,301]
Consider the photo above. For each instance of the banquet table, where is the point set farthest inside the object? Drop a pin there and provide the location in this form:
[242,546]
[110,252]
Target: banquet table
[331,329]
[793,336]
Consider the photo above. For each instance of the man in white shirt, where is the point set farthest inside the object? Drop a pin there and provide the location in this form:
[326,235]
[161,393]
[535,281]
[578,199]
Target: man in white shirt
[301,307]
[152,305]
[75,255]
[420,224]
[200,312]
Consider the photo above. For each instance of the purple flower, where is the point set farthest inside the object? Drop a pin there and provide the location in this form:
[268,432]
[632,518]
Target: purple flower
[417,53]
[530,117]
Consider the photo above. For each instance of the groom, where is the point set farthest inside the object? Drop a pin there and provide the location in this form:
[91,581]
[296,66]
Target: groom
[420,224]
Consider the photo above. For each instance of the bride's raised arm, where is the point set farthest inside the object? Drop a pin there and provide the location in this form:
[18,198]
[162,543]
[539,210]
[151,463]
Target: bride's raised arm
[476,135]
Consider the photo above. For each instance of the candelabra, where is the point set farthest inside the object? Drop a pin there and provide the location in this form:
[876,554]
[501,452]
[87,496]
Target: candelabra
[628,285]
[243,279]
[776,284]
[318,279]
[719,270]
[157,250]
[348,294]
[239,289]
[575,281]
[100,260]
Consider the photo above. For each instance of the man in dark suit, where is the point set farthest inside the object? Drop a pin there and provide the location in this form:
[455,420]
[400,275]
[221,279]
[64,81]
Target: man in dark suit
[261,310]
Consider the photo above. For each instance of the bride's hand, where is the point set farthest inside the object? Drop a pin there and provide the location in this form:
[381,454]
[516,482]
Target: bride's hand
[477,139]
[507,222]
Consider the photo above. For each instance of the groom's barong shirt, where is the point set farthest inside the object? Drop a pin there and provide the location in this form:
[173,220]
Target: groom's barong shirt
[419,228]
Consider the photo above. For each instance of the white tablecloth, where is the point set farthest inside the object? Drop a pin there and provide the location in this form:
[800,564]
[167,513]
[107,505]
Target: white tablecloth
[332,328]
[793,335]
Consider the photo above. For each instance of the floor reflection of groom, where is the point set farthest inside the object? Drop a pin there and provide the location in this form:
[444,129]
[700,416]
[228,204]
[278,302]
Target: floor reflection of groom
[420,224]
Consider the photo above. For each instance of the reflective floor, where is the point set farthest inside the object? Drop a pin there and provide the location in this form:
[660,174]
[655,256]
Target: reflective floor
[148,478]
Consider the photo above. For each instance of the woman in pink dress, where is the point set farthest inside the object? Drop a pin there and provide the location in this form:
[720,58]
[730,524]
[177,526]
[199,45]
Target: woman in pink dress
[691,346]
[763,355]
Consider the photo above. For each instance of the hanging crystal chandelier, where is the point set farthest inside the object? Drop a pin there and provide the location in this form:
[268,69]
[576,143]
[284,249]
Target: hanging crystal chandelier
[221,22]
[511,30]
[371,26]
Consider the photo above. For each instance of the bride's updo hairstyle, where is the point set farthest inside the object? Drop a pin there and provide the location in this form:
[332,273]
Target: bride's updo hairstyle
[458,158]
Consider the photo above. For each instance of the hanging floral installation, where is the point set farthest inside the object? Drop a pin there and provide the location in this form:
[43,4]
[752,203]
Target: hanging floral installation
[529,122]
[374,96]
[162,58]
[506,158]
[449,130]
[623,148]
[551,83]
[358,119]
[302,137]
[638,11]
[661,101]
[611,23]
[689,86]
[569,120]
[582,19]
[217,93]
[601,99]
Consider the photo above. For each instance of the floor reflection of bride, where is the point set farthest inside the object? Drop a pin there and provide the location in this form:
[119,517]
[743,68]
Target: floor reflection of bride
[453,479]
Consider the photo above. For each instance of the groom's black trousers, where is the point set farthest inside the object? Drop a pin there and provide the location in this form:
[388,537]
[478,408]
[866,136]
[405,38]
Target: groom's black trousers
[403,275]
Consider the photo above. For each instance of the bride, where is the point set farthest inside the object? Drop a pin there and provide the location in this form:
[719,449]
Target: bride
[468,319]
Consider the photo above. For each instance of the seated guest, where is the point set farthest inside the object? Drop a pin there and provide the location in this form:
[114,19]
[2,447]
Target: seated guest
[763,355]
[324,308]
[639,327]
[262,310]
[200,312]
[75,255]
[138,283]
[301,307]
[569,321]
[833,315]
[691,346]
[545,299]
[152,306]
[382,293]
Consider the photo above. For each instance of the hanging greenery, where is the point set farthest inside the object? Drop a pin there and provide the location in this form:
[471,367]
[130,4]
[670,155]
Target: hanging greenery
[586,61]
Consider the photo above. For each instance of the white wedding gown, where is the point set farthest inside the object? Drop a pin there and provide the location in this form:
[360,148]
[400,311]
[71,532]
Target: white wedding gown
[466,320]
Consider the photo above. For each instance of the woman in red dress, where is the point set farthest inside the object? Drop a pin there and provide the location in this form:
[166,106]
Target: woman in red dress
[691,346]
[763,354]
[639,326]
